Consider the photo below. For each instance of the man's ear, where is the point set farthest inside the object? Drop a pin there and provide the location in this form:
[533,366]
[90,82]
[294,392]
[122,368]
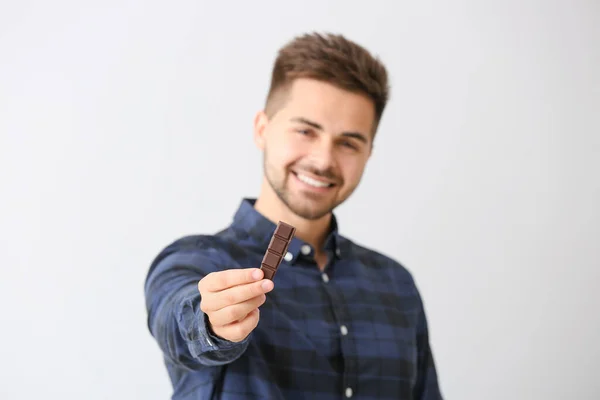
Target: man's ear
[260,126]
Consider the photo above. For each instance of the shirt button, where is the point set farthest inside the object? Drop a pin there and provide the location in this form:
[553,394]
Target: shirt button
[325,278]
[288,256]
[305,249]
[344,330]
[348,392]
[338,252]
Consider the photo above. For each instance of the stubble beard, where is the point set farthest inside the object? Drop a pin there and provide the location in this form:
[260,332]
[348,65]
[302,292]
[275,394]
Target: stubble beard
[307,208]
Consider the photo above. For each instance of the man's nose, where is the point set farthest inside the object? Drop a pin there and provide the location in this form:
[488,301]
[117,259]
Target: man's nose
[322,155]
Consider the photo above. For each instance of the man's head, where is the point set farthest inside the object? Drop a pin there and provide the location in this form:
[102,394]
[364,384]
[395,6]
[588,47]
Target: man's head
[325,102]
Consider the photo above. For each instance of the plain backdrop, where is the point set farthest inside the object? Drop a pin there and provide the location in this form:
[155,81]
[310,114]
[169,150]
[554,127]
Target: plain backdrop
[127,124]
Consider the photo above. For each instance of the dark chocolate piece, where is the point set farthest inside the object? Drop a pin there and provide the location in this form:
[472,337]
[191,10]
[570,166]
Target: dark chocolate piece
[277,248]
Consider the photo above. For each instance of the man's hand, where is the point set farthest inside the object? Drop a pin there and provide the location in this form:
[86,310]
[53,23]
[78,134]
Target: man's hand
[231,298]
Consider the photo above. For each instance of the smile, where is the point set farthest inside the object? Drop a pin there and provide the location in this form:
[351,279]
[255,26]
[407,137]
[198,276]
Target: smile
[312,181]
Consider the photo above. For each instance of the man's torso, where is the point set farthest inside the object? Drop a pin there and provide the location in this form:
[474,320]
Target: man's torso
[347,331]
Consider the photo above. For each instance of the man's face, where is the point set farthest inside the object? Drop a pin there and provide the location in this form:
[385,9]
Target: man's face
[316,146]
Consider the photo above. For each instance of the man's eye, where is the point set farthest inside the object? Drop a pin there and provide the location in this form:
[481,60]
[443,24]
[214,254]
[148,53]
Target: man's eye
[303,131]
[349,145]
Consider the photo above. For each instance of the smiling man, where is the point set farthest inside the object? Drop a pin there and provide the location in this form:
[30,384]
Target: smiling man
[338,319]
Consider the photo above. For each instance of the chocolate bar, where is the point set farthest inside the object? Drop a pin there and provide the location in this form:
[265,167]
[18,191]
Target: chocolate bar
[277,248]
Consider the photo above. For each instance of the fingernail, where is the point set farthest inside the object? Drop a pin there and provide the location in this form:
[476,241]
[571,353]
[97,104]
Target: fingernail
[267,285]
[256,275]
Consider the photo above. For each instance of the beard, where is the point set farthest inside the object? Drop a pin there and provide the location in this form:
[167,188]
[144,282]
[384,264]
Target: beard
[306,205]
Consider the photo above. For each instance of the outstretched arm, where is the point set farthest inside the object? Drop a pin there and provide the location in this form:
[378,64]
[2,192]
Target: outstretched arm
[174,315]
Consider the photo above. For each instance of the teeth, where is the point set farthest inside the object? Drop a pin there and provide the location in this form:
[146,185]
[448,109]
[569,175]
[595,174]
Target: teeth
[312,182]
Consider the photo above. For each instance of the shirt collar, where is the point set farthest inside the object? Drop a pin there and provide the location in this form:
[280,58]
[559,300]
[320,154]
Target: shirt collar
[249,222]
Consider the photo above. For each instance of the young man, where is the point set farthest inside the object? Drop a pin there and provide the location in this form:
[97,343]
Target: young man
[338,320]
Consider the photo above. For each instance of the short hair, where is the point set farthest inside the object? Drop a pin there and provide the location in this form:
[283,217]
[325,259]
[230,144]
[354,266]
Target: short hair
[331,58]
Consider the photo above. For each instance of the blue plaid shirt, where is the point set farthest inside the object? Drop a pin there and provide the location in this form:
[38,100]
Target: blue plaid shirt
[356,330]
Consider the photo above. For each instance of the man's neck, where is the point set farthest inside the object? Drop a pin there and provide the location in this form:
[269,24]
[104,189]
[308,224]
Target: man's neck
[313,232]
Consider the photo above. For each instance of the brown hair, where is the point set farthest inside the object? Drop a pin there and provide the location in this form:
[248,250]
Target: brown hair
[330,58]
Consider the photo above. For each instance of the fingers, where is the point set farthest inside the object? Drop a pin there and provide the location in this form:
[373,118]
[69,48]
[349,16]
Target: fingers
[235,312]
[230,299]
[235,295]
[221,280]
[236,332]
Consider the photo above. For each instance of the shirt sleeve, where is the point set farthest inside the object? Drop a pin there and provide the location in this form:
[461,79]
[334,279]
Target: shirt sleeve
[427,385]
[175,319]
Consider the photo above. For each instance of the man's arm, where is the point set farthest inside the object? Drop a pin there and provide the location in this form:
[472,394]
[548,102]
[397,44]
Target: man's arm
[174,315]
[427,385]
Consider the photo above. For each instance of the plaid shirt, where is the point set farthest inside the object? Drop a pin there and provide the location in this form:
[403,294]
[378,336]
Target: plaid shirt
[356,330]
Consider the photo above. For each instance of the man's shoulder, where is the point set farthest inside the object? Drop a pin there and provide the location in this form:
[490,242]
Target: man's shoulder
[209,243]
[204,246]
[198,241]
[377,259]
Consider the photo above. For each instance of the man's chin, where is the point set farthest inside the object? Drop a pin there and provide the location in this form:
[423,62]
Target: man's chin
[307,205]
[310,212]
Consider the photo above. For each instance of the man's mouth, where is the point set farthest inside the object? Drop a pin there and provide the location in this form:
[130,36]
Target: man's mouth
[317,183]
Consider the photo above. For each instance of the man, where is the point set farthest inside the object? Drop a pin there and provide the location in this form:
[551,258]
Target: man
[338,320]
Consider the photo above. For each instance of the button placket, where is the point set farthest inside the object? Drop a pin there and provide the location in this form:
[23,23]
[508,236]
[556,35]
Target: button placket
[343,330]
[305,249]
[288,256]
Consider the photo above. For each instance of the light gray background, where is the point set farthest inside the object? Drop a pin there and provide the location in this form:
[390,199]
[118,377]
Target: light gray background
[487,163]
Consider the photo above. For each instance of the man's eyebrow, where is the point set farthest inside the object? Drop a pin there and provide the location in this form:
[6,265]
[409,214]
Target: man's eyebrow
[355,135]
[303,120]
